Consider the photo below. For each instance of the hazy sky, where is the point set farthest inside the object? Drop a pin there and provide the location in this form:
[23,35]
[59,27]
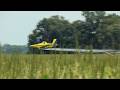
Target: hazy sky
[15,26]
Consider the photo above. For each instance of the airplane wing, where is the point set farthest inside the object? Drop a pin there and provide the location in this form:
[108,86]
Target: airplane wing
[60,49]
[81,50]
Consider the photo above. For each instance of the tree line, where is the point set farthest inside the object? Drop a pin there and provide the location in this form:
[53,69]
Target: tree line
[99,31]
[13,49]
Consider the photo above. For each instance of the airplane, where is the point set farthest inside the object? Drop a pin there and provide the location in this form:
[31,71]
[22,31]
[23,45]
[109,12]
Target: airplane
[45,44]
[52,47]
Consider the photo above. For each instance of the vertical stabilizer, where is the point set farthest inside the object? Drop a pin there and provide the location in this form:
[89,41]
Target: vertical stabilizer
[54,41]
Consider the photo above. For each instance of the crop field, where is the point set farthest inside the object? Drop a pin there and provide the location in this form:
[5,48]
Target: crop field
[60,66]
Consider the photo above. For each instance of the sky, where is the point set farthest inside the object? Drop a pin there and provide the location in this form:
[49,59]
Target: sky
[15,26]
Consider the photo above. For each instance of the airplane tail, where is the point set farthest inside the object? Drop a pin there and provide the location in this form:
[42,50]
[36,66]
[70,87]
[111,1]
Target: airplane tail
[54,41]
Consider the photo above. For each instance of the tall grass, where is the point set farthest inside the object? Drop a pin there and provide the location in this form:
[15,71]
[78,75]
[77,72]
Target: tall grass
[59,66]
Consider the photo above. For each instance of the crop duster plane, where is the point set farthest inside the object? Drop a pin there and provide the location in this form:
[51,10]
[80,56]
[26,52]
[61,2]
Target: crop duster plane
[44,44]
[51,47]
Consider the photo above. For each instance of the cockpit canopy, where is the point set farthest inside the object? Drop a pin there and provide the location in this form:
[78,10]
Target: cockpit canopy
[44,42]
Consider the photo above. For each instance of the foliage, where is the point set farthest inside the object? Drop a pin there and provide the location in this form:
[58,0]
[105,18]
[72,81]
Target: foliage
[99,30]
[62,66]
[14,49]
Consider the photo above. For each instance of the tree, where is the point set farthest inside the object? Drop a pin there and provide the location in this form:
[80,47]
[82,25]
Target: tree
[99,30]
[54,27]
[112,31]
[92,26]
[7,48]
[0,48]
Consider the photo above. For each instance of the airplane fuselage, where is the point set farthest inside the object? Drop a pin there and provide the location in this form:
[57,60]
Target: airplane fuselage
[44,44]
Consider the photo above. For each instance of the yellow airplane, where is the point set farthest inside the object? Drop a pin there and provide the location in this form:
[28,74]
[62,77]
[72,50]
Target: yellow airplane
[44,44]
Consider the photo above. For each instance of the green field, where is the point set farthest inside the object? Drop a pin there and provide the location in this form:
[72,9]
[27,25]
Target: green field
[59,66]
